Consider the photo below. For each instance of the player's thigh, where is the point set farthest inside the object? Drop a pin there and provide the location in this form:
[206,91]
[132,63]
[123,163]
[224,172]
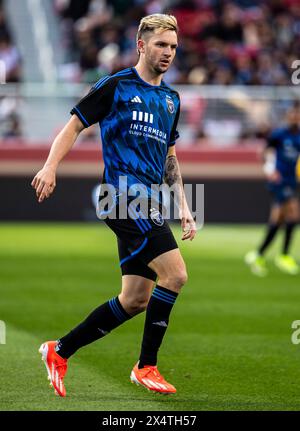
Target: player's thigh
[292,210]
[133,265]
[171,269]
[277,213]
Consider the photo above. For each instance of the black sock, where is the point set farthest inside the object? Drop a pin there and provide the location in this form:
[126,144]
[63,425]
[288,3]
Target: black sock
[156,323]
[288,236]
[271,232]
[99,323]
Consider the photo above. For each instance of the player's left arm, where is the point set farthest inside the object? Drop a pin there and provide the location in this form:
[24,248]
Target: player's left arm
[172,176]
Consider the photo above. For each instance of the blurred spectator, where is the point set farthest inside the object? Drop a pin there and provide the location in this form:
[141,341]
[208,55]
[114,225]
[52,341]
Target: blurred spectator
[9,55]
[3,25]
[12,128]
[10,71]
[10,124]
[221,42]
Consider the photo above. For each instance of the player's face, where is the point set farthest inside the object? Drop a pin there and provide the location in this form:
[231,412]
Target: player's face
[293,117]
[159,50]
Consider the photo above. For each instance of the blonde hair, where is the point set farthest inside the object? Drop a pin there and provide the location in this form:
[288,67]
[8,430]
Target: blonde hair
[157,21]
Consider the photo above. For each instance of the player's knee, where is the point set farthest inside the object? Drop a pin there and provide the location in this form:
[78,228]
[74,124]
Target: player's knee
[176,280]
[135,306]
[138,306]
[181,278]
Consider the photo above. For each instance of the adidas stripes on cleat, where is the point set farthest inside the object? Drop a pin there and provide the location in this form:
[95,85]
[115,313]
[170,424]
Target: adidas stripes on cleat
[150,378]
[56,367]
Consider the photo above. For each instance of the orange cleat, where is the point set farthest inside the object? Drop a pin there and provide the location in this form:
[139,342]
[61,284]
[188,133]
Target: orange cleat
[56,367]
[150,378]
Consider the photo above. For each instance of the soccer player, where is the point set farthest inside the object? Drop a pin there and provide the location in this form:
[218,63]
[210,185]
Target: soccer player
[138,115]
[281,155]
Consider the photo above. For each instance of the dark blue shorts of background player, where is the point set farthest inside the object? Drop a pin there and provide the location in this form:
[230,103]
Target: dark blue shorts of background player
[282,191]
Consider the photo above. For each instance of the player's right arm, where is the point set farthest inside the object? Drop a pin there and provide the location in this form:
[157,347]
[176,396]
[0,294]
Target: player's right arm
[45,180]
[269,166]
[89,110]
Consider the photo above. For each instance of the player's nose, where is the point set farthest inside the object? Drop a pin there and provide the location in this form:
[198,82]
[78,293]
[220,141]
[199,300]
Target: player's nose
[168,52]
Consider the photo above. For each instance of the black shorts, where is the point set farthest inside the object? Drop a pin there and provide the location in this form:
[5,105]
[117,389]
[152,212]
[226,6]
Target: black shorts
[141,240]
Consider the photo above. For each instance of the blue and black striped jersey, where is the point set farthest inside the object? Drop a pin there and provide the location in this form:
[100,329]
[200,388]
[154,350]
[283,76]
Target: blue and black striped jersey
[287,146]
[138,123]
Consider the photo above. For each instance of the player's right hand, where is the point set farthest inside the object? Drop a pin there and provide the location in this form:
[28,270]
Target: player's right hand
[44,183]
[274,177]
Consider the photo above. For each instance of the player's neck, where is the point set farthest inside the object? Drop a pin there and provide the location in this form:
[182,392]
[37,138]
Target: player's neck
[147,75]
[294,128]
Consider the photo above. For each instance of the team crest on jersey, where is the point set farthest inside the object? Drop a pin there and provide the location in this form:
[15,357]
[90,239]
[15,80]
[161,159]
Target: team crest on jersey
[170,104]
[156,217]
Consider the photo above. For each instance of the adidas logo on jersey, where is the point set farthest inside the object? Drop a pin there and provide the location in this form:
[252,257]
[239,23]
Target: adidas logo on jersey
[136,99]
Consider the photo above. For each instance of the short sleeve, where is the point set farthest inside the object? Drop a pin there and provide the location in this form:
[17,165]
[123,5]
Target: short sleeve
[174,132]
[97,103]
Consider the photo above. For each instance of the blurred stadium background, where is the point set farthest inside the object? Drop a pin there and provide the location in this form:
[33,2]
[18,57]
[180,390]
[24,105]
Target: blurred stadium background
[233,71]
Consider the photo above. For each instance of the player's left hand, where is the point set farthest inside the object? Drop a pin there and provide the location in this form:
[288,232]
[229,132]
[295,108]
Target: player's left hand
[188,225]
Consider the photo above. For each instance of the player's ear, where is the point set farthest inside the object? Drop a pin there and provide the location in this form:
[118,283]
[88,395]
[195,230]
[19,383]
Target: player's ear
[141,45]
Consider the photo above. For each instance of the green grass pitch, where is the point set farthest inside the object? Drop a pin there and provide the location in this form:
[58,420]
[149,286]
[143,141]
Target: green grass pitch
[228,346]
